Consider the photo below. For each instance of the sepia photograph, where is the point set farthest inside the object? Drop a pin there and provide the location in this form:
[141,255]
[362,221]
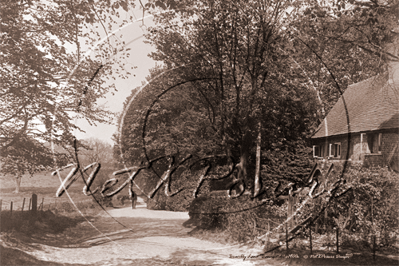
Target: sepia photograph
[199,132]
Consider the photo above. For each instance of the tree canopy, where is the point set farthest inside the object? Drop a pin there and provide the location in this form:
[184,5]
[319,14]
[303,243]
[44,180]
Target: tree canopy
[47,80]
[240,70]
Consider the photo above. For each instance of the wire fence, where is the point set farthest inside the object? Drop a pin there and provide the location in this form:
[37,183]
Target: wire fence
[335,240]
[42,204]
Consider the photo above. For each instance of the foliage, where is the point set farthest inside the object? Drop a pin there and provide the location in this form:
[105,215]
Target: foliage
[102,201]
[269,69]
[47,220]
[27,156]
[96,150]
[171,125]
[204,211]
[185,180]
[348,40]
[232,81]
[375,200]
[243,58]
[286,162]
[369,209]
[282,65]
[242,219]
[47,80]
[226,74]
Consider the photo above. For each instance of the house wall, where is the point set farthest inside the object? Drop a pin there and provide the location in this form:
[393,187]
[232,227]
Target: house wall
[357,148]
[390,149]
[354,150]
[360,148]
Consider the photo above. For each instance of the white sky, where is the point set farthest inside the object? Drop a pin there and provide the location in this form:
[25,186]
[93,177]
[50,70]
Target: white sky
[138,57]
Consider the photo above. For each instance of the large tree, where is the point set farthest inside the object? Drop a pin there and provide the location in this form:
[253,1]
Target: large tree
[226,84]
[256,91]
[264,70]
[344,42]
[47,81]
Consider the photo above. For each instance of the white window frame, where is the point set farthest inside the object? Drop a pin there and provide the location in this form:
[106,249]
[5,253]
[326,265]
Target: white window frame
[338,144]
[375,144]
[379,143]
[314,151]
[335,145]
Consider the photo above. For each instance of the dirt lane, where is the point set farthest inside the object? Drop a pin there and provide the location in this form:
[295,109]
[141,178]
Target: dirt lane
[146,237]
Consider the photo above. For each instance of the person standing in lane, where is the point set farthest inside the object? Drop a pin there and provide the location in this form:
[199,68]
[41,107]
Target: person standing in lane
[133,197]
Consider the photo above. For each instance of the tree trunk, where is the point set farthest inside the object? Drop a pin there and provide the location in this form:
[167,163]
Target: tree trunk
[245,148]
[241,180]
[17,179]
[258,185]
[291,210]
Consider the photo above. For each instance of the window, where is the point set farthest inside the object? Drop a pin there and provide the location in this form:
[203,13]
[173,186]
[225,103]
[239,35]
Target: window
[370,142]
[335,150]
[374,142]
[316,151]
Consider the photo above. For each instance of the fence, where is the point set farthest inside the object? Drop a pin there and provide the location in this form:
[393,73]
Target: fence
[14,214]
[38,204]
[25,206]
[31,207]
[335,245]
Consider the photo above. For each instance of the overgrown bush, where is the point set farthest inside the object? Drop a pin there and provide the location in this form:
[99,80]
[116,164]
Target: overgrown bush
[103,201]
[242,218]
[247,218]
[45,220]
[69,207]
[186,182]
[205,212]
[65,207]
[179,202]
[369,208]
[374,207]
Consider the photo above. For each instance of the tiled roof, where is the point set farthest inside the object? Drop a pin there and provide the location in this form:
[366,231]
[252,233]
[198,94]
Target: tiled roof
[371,105]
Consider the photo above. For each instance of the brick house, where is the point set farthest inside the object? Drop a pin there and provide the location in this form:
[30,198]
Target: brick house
[363,126]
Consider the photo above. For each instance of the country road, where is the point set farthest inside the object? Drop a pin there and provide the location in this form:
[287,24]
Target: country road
[123,236]
[139,237]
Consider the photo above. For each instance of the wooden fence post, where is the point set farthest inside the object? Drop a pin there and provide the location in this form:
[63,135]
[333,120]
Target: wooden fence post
[30,204]
[42,203]
[286,236]
[34,203]
[374,247]
[290,210]
[337,239]
[268,236]
[33,213]
[325,218]
[11,208]
[1,204]
[23,205]
[310,239]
